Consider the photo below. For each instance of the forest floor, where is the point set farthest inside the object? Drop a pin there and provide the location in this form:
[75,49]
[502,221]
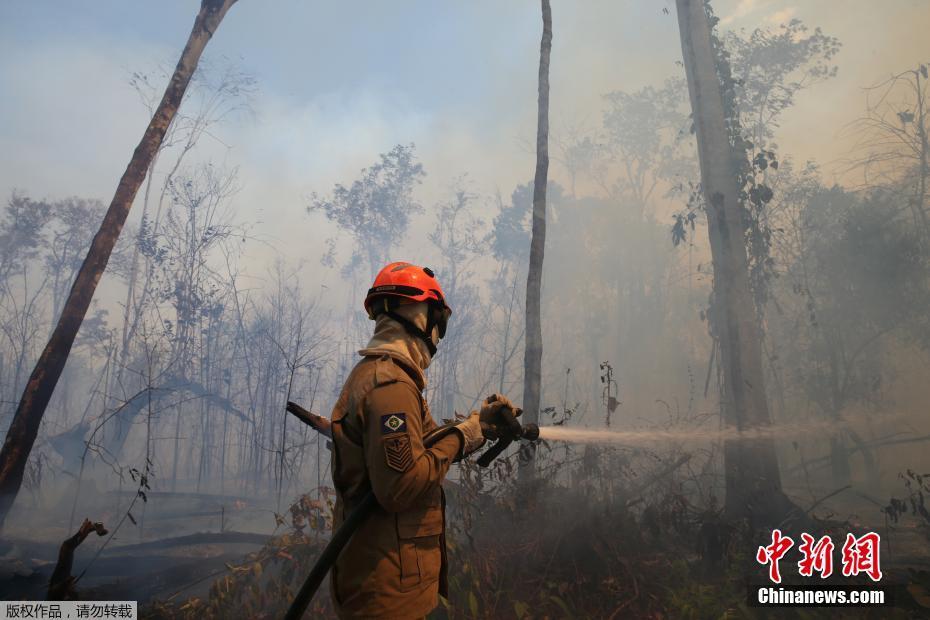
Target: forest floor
[173,547]
[568,555]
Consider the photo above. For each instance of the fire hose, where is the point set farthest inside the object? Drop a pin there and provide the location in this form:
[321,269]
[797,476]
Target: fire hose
[511,430]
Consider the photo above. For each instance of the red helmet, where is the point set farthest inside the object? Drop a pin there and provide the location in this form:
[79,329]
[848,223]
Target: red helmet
[407,281]
[399,281]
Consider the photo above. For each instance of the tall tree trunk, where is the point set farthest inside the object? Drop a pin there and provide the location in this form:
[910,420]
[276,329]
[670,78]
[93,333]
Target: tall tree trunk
[922,172]
[25,426]
[753,483]
[532,360]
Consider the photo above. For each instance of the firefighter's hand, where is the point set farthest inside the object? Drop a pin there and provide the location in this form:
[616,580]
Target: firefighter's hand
[471,433]
[498,418]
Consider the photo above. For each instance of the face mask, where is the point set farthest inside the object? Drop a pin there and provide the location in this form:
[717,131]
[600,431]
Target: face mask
[437,318]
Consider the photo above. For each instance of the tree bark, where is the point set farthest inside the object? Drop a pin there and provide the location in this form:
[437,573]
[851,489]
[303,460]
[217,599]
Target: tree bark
[922,172]
[753,483]
[25,426]
[532,360]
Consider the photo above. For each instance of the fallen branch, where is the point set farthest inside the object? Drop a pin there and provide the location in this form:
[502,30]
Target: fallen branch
[827,496]
[814,505]
[61,585]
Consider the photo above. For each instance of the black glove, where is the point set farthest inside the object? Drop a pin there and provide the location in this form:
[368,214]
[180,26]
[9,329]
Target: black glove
[498,417]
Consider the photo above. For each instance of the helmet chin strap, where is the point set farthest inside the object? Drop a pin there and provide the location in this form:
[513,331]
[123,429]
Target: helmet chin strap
[415,331]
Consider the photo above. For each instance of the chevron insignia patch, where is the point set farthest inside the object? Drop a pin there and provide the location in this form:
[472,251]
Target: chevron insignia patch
[397,453]
[393,423]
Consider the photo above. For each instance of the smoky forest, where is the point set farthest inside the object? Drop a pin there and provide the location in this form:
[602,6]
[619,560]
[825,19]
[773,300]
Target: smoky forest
[690,239]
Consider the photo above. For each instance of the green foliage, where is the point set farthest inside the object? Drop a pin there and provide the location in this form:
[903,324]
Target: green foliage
[770,66]
[21,232]
[867,264]
[510,232]
[749,168]
[647,131]
[861,272]
[375,209]
[760,73]
[683,223]
[917,488]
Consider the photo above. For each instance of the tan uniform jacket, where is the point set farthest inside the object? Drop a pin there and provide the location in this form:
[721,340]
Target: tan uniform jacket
[395,564]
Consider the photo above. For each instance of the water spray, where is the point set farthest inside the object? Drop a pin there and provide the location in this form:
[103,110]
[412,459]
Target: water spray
[685,435]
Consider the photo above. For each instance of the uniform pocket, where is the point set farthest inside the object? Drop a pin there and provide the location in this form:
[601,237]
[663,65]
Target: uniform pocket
[418,545]
[409,566]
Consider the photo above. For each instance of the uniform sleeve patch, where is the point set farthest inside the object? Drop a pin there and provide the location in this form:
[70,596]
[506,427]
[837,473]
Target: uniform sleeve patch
[397,453]
[393,423]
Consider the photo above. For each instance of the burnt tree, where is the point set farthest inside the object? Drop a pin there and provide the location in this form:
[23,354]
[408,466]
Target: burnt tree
[25,425]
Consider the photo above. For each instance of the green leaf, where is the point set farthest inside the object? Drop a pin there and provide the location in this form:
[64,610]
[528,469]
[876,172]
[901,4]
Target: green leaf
[561,603]
[473,604]
[520,609]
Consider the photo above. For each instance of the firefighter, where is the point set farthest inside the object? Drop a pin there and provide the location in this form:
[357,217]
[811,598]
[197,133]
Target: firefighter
[395,565]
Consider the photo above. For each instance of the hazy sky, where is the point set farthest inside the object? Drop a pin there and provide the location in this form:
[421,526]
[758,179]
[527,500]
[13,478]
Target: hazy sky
[340,82]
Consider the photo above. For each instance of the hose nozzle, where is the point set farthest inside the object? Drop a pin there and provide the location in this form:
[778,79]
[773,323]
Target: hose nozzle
[530,432]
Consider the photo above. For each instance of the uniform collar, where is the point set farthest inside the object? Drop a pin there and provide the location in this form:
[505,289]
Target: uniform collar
[391,339]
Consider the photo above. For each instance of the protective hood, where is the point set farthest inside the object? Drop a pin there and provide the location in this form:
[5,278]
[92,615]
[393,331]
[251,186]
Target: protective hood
[391,338]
